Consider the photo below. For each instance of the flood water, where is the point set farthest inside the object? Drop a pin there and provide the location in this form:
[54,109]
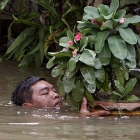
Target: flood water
[48,124]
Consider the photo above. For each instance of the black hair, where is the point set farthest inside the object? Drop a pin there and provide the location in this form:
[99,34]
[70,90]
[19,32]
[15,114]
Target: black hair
[23,91]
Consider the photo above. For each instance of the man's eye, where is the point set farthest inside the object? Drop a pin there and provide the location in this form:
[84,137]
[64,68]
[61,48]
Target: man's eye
[45,93]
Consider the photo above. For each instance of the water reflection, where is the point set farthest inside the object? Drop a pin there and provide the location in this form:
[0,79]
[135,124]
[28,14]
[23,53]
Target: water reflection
[54,124]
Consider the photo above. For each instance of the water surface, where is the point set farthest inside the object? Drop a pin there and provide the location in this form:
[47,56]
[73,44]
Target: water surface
[54,124]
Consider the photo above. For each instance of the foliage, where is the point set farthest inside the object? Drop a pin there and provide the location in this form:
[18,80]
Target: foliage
[45,26]
[97,57]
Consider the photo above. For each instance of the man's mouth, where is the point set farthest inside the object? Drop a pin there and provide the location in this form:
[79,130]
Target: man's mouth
[58,104]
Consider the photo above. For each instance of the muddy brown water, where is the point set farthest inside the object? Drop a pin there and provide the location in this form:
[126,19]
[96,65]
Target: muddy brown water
[54,124]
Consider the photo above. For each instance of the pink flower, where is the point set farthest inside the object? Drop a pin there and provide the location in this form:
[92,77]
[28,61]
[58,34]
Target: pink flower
[122,20]
[67,48]
[93,21]
[78,37]
[103,23]
[70,42]
[74,53]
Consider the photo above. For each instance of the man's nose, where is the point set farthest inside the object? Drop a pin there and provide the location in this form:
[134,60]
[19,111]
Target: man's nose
[55,96]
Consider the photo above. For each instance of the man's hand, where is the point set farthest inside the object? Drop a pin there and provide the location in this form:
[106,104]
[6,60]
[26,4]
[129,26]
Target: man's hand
[97,113]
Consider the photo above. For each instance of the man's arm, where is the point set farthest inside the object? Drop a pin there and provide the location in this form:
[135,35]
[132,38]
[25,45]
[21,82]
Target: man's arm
[84,110]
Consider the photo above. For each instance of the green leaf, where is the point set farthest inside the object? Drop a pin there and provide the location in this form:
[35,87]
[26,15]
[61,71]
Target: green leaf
[97,64]
[88,96]
[78,90]
[61,54]
[50,63]
[72,62]
[125,70]
[91,12]
[119,87]
[131,56]
[130,85]
[120,14]
[83,43]
[117,94]
[61,89]
[88,73]
[19,39]
[100,75]
[88,57]
[58,69]
[138,38]
[64,41]
[107,25]
[3,4]
[119,74]
[103,9]
[109,16]
[22,47]
[90,87]
[100,40]
[26,60]
[105,55]
[114,6]
[74,102]
[128,35]
[68,84]
[132,98]
[117,46]
[70,35]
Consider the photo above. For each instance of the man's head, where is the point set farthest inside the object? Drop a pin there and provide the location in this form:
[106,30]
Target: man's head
[35,92]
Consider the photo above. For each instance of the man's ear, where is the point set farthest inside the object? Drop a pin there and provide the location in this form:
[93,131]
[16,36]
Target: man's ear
[27,105]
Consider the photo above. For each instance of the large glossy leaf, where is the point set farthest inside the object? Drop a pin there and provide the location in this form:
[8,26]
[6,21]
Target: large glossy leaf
[131,56]
[19,39]
[117,46]
[100,75]
[50,63]
[70,35]
[58,69]
[83,43]
[90,87]
[62,92]
[63,41]
[120,14]
[114,6]
[68,84]
[97,64]
[88,57]
[100,40]
[107,25]
[61,54]
[130,85]
[70,74]
[92,12]
[103,9]
[78,90]
[128,35]
[119,74]
[75,104]
[105,55]
[88,96]
[132,98]
[88,73]
[72,62]
[119,87]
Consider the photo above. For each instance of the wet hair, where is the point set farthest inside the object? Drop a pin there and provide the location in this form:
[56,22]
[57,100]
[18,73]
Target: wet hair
[23,91]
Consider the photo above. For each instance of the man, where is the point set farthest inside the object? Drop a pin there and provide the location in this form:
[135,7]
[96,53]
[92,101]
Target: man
[38,93]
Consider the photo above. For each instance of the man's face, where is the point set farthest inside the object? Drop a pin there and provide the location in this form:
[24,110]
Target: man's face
[45,95]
